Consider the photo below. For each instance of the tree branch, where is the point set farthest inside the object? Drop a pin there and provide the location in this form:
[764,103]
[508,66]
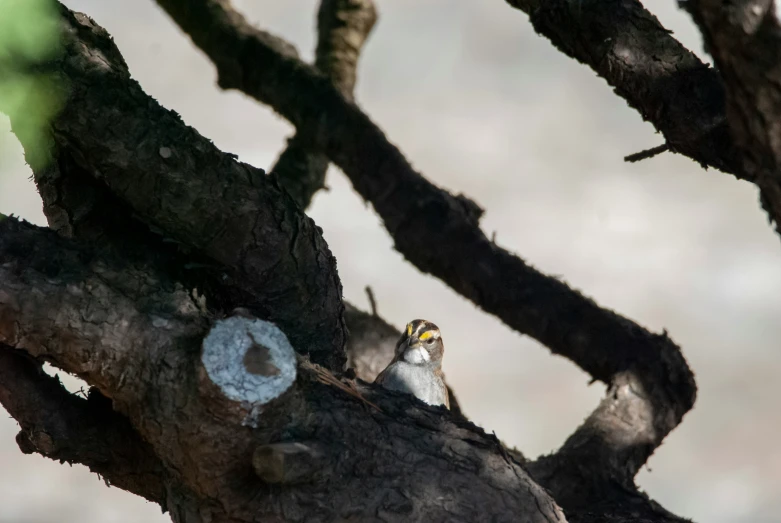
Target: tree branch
[440,235]
[182,186]
[343,27]
[66,428]
[70,310]
[666,83]
[743,38]
[612,348]
[647,153]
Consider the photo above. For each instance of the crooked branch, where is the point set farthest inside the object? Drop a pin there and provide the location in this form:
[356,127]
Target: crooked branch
[421,217]
[440,234]
[342,28]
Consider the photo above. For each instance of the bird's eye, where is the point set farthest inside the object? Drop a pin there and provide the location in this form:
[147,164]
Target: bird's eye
[430,341]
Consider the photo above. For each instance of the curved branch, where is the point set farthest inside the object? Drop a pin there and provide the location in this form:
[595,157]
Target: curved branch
[343,27]
[66,428]
[440,234]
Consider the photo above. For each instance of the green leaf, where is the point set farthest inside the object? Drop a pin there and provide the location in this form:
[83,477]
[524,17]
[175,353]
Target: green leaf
[29,36]
[28,29]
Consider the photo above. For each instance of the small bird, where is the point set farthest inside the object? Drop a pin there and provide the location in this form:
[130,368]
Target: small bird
[417,364]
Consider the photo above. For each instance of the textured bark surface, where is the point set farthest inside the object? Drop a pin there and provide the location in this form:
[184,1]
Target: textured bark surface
[161,235]
[744,38]
[665,82]
[180,184]
[648,378]
[342,28]
[405,462]
[67,428]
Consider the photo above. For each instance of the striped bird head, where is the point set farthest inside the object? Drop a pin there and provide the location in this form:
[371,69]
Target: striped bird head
[421,344]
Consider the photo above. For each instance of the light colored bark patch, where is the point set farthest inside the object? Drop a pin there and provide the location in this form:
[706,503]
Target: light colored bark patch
[250,360]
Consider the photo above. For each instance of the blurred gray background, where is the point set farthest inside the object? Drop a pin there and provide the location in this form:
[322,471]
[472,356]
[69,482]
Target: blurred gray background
[482,105]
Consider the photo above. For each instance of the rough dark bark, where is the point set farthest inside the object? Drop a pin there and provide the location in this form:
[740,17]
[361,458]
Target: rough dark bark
[119,309]
[342,28]
[66,428]
[665,82]
[405,462]
[180,184]
[440,234]
[135,282]
[744,39]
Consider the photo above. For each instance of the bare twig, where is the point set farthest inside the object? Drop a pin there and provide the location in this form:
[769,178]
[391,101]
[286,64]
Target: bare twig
[648,153]
[327,377]
[372,301]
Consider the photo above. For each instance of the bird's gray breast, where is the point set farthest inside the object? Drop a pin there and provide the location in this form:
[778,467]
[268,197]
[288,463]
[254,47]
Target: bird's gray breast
[418,380]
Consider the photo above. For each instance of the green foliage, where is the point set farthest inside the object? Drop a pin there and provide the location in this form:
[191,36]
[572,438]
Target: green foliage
[28,28]
[29,36]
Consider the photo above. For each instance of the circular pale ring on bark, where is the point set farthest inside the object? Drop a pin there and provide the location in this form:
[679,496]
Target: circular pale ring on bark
[250,360]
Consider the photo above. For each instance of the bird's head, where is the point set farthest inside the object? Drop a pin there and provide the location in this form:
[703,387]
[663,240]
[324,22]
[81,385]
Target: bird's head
[421,344]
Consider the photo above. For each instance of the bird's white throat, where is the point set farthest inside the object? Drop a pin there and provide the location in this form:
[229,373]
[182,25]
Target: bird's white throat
[417,356]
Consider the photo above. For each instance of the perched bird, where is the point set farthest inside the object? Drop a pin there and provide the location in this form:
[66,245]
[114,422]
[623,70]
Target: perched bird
[417,364]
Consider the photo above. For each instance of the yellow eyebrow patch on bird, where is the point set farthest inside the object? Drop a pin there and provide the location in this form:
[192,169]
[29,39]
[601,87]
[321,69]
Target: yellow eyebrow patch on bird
[426,335]
[409,329]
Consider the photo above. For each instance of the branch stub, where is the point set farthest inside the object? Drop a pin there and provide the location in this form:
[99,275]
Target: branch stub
[250,361]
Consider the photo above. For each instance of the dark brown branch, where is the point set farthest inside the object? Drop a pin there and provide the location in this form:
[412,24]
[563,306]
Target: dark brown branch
[666,83]
[151,340]
[342,28]
[372,300]
[744,38]
[180,184]
[440,235]
[67,428]
[647,153]
[78,205]
[145,360]
[301,171]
